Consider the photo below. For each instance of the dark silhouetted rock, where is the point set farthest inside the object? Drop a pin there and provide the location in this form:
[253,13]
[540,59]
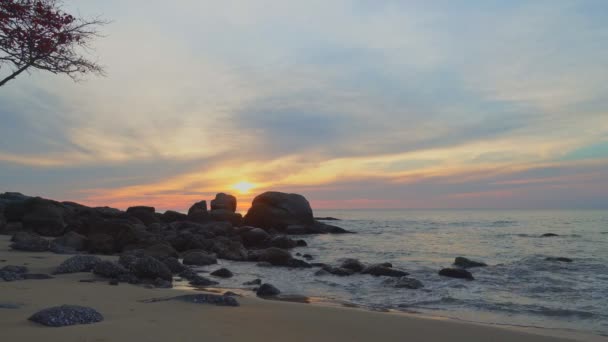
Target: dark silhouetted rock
[101,244]
[267,290]
[456,273]
[229,249]
[326,219]
[549,235]
[161,251]
[224,215]
[253,282]
[224,201]
[297,263]
[72,240]
[222,273]
[44,217]
[148,267]
[24,241]
[383,270]
[174,265]
[173,216]
[301,243]
[282,241]
[273,255]
[65,315]
[352,264]
[109,269]
[467,263]
[198,212]
[147,215]
[254,236]
[78,263]
[277,210]
[559,259]
[307,256]
[199,259]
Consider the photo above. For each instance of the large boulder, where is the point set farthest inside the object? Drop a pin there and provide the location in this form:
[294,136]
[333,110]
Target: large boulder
[65,315]
[228,249]
[278,210]
[109,269]
[267,290]
[225,215]
[198,212]
[121,232]
[72,240]
[150,268]
[199,258]
[173,216]
[224,201]
[30,242]
[147,215]
[44,217]
[78,263]
[161,251]
[253,236]
[101,244]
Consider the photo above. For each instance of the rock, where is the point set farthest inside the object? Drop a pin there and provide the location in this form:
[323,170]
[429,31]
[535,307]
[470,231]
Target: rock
[297,263]
[467,263]
[78,263]
[338,271]
[253,282]
[254,236]
[307,256]
[326,219]
[113,282]
[101,244]
[208,299]
[161,251]
[162,284]
[273,255]
[202,281]
[301,243]
[36,276]
[224,215]
[199,259]
[44,217]
[549,235]
[198,212]
[174,265]
[2,223]
[109,269]
[322,272]
[13,273]
[229,249]
[352,264]
[222,273]
[128,259]
[282,241]
[24,241]
[559,259]
[231,294]
[65,315]
[11,228]
[72,240]
[383,270]
[456,273]
[173,216]
[267,290]
[147,215]
[224,201]
[148,267]
[408,283]
[277,210]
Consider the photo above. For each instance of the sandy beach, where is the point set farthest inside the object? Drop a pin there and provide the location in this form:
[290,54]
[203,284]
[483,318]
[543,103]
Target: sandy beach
[128,318]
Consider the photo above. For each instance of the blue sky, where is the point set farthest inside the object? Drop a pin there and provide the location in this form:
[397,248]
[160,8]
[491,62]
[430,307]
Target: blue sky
[352,103]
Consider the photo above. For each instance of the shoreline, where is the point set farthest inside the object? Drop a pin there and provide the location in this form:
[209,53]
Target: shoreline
[127,318]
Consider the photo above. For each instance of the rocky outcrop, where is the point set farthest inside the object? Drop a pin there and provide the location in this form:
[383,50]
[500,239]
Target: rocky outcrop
[78,263]
[71,240]
[147,215]
[456,273]
[274,256]
[160,251]
[198,212]
[65,315]
[463,262]
[44,217]
[224,201]
[224,215]
[277,210]
[173,216]
[150,268]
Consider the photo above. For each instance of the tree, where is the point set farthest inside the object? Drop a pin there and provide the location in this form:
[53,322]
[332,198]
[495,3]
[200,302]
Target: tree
[38,34]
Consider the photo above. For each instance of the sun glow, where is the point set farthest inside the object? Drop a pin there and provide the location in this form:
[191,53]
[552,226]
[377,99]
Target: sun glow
[243,187]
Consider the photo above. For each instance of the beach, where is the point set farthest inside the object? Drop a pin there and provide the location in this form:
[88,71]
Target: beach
[128,318]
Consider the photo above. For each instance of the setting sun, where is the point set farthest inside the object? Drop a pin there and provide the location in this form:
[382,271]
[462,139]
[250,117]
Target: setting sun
[243,187]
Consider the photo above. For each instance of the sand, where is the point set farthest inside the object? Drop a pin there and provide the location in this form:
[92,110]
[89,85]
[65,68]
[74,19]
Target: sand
[127,318]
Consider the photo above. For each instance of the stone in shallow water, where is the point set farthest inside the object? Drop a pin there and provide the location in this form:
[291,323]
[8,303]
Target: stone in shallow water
[456,273]
[468,263]
[65,315]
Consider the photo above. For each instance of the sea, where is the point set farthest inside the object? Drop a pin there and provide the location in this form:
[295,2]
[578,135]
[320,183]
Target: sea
[520,287]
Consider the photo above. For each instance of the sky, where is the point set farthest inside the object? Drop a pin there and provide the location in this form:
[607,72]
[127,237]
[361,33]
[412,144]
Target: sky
[354,104]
